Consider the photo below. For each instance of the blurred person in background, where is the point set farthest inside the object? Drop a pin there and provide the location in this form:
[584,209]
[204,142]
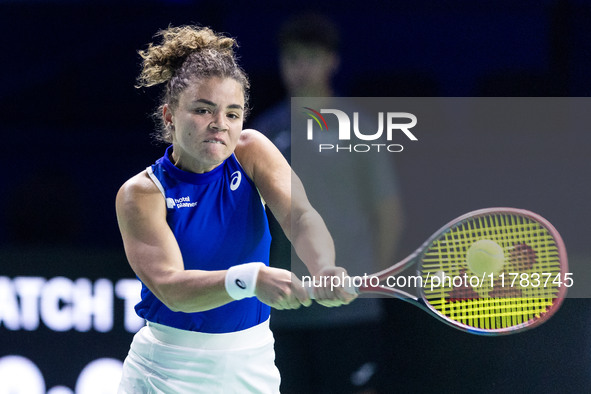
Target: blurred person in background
[337,350]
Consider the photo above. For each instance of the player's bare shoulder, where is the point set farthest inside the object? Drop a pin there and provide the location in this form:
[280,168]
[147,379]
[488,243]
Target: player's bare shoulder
[255,151]
[250,139]
[138,186]
[138,195]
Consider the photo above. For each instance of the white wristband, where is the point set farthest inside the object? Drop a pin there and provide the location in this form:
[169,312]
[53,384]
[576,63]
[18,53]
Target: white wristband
[241,280]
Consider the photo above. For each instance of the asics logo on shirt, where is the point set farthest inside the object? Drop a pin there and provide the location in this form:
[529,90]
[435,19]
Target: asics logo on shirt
[235,182]
[183,202]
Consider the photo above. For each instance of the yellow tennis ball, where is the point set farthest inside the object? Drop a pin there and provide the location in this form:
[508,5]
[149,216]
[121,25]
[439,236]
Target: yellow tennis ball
[485,257]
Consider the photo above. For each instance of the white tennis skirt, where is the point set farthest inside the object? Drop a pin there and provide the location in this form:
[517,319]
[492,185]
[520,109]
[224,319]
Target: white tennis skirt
[163,359]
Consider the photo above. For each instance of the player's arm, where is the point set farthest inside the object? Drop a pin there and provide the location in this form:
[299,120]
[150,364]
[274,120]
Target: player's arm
[155,257]
[285,195]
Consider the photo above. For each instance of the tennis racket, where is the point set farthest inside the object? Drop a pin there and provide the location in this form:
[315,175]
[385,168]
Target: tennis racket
[525,293]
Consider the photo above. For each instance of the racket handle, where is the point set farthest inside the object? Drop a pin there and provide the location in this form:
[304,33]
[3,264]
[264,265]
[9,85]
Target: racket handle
[349,289]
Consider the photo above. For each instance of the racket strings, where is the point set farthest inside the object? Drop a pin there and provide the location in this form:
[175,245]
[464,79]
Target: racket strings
[522,292]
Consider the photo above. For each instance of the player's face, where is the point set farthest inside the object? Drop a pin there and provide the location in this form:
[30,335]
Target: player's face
[207,123]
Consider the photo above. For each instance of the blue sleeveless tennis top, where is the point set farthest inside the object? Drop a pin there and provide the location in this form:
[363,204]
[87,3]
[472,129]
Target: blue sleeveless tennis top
[219,220]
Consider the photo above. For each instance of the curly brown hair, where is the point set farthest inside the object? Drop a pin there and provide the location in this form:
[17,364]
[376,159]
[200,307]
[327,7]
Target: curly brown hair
[188,53]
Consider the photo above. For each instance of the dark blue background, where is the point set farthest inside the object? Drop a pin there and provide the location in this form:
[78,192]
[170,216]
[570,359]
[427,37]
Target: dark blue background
[75,128]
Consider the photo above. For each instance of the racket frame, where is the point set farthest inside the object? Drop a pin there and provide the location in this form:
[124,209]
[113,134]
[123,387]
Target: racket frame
[415,258]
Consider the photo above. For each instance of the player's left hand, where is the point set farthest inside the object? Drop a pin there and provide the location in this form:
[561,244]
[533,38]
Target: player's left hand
[334,293]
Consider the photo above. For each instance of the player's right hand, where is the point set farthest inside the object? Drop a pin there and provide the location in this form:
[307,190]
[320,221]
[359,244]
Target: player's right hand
[281,289]
[330,296]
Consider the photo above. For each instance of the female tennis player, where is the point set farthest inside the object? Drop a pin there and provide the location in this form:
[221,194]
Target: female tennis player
[195,232]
